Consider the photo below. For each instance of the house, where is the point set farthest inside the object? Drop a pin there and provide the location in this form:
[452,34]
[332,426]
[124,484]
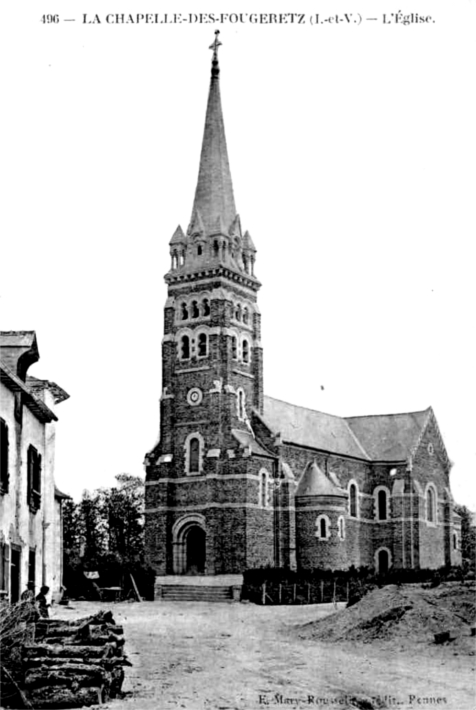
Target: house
[239,479]
[30,503]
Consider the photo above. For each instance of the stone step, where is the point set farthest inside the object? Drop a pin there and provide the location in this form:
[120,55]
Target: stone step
[175,592]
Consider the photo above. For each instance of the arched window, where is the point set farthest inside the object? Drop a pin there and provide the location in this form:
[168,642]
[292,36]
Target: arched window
[245,351]
[381,497]
[202,345]
[240,404]
[174,260]
[246,316]
[323,527]
[206,307]
[234,347]
[185,347]
[431,504]
[264,489]
[182,258]
[184,311]
[194,447]
[199,250]
[216,248]
[341,527]
[455,541]
[245,263]
[238,312]
[353,509]
[195,310]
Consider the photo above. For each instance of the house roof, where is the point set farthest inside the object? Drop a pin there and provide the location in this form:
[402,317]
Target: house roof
[389,437]
[37,386]
[307,427]
[34,404]
[59,495]
[314,482]
[384,437]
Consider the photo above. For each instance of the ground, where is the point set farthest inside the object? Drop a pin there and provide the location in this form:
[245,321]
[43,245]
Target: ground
[224,656]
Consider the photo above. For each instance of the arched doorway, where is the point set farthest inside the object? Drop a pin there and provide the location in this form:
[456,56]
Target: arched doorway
[383,561]
[189,545]
[195,550]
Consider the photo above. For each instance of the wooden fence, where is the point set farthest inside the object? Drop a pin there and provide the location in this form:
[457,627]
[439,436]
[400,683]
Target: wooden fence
[322,591]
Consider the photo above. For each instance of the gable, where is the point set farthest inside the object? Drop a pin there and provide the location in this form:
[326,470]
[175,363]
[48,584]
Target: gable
[389,437]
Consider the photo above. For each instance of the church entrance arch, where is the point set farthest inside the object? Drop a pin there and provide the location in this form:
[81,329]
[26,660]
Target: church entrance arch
[189,545]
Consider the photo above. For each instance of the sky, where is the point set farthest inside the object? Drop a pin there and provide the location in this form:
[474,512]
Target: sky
[352,150]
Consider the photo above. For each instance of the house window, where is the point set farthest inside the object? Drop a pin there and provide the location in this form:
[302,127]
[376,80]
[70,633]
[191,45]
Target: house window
[245,351]
[4,567]
[341,527]
[455,541]
[4,447]
[431,504]
[202,345]
[184,347]
[323,527]
[353,509]
[32,565]
[234,347]
[34,478]
[238,312]
[381,503]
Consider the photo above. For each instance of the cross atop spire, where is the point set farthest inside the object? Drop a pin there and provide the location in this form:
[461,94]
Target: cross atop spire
[214,193]
[215,44]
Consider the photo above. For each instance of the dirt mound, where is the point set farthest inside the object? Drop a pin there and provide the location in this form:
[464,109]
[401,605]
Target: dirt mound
[408,612]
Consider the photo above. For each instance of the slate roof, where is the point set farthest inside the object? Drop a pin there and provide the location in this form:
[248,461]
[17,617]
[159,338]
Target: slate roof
[307,427]
[389,437]
[314,482]
[214,193]
[246,439]
[386,437]
[34,404]
[37,386]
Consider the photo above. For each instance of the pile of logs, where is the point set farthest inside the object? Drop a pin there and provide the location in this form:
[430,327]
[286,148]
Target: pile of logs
[74,663]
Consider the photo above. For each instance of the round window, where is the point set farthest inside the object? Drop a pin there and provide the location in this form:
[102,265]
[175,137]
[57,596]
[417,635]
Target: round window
[194,396]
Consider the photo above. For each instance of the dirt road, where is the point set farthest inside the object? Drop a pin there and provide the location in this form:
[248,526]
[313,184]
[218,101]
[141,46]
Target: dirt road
[240,656]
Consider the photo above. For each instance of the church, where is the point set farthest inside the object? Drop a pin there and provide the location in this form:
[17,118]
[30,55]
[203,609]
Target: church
[239,479]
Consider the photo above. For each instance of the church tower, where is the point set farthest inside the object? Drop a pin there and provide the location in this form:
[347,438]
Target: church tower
[208,480]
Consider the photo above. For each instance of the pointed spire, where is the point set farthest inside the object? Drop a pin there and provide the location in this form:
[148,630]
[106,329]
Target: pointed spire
[214,193]
[178,237]
[196,224]
[248,242]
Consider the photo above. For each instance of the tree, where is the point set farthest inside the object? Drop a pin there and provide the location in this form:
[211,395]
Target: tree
[468,535]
